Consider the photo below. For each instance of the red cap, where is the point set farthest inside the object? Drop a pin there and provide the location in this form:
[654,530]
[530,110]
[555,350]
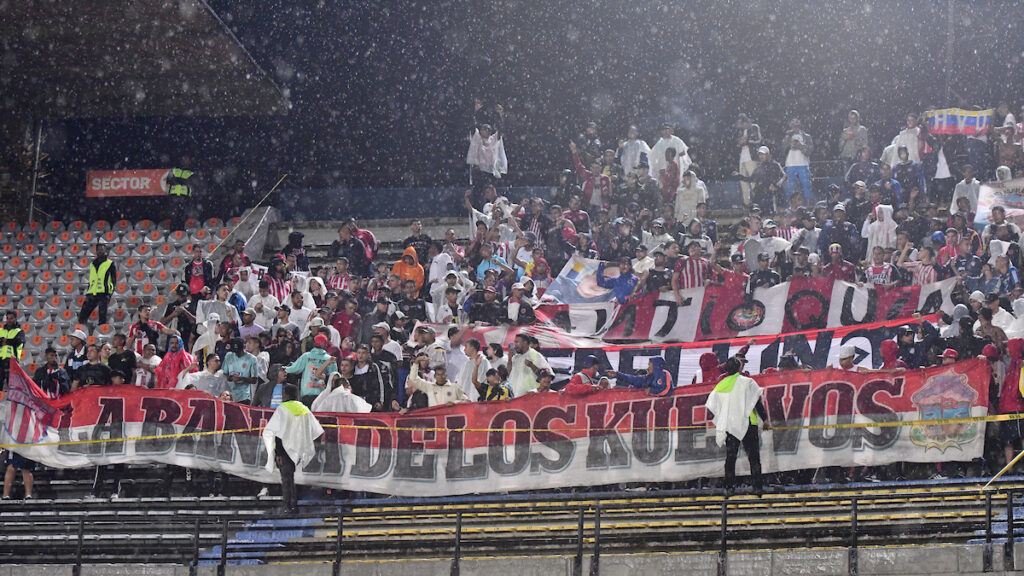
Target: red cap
[950,353]
[320,340]
[990,351]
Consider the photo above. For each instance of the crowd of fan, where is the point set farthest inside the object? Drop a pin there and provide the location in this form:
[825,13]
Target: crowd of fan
[344,333]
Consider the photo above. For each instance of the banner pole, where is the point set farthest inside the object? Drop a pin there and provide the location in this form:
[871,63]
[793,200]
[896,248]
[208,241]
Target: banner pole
[1004,470]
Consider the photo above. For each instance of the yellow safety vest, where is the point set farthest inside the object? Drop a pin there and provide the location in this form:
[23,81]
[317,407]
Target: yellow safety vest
[8,350]
[180,187]
[97,277]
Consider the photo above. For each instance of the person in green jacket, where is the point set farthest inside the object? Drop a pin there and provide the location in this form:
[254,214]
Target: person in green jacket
[316,367]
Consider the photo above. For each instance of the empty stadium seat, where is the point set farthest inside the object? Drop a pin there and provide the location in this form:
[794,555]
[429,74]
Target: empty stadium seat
[11,227]
[122,287]
[155,237]
[55,226]
[41,315]
[123,226]
[54,302]
[139,275]
[130,263]
[28,301]
[51,329]
[64,238]
[154,263]
[53,250]
[159,301]
[75,250]
[16,263]
[68,289]
[87,237]
[144,250]
[191,224]
[59,265]
[145,226]
[121,250]
[4,300]
[165,224]
[200,236]
[32,367]
[214,222]
[222,234]
[44,237]
[63,340]
[147,289]
[100,226]
[23,276]
[110,237]
[16,288]
[29,250]
[161,277]
[211,247]
[20,237]
[37,264]
[10,249]
[67,315]
[3,275]
[175,263]
[133,302]
[120,315]
[44,289]
[32,227]
[77,227]
[132,238]
[178,238]
[81,263]
[91,339]
[233,222]
[166,250]
[104,330]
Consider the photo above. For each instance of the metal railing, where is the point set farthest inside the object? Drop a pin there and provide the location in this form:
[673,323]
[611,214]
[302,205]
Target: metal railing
[582,512]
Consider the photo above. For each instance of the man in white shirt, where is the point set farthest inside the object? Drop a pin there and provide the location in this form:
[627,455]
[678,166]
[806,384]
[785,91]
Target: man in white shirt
[798,162]
[145,366]
[297,313]
[440,392]
[211,380]
[668,140]
[264,304]
[383,330]
[525,366]
[465,376]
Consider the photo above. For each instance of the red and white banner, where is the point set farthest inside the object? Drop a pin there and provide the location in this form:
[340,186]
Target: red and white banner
[120,183]
[539,441]
[719,312]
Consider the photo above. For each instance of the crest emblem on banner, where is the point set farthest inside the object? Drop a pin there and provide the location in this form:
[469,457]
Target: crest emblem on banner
[944,396]
[746,317]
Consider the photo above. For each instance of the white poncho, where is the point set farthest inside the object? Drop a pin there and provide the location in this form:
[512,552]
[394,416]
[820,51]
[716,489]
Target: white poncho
[657,155]
[297,428]
[488,155]
[732,406]
[341,399]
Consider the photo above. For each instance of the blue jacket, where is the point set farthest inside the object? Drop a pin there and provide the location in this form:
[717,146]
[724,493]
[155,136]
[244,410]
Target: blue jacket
[621,286]
[658,382]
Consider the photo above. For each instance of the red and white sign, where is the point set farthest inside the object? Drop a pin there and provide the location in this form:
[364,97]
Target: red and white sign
[539,441]
[120,183]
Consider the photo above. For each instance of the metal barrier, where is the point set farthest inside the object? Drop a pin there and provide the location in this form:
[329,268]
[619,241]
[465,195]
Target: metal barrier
[580,511]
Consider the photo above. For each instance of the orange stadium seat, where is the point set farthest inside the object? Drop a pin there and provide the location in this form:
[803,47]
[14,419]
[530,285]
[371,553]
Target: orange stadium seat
[53,249]
[130,263]
[68,275]
[45,276]
[175,263]
[191,224]
[65,238]
[110,237]
[120,250]
[144,250]
[54,303]
[153,263]
[28,302]
[222,234]
[23,275]
[178,238]
[44,289]
[105,329]
[29,249]
[75,250]
[234,221]
[123,226]
[200,236]
[67,289]
[92,338]
[7,249]
[133,302]
[3,301]
[33,226]
[59,264]
[55,226]
[214,222]
[121,288]
[81,263]
[166,250]
[77,226]
[16,262]
[140,276]
[145,225]
[120,315]
[79,301]
[154,237]
[162,276]
[211,247]
[165,224]
[32,367]
[147,289]
[41,315]
[11,227]
[132,237]
[87,237]
[43,236]
[16,288]
[188,249]
[21,237]
[101,226]
[50,329]
[3,274]
[36,341]
[63,340]
[37,263]
[159,301]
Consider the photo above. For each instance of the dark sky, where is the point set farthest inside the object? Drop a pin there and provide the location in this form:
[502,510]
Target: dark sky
[382,91]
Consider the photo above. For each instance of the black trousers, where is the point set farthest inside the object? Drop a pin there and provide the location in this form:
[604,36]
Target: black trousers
[93,301]
[752,446]
[287,468]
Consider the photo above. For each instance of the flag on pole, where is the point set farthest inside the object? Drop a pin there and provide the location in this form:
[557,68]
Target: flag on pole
[28,411]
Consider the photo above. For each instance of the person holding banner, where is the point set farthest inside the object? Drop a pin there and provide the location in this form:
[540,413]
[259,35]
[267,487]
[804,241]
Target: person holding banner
[657,381]
[736,408]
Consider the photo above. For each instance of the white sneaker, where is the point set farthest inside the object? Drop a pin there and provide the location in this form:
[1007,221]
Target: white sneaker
[264,493]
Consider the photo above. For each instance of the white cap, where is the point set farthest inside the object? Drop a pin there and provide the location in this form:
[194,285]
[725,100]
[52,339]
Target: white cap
[317,321]
[847,352]
[81,335]
[518,286]
[813,259]
[382,326]
[978,295]
[763,150]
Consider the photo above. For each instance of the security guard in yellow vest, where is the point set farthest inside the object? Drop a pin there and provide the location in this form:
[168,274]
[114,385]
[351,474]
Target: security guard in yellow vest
[178,182]
[12,344]
[102,276]
[179,190]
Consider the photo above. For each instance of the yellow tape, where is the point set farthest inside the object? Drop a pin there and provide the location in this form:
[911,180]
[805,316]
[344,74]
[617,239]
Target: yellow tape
[893,424]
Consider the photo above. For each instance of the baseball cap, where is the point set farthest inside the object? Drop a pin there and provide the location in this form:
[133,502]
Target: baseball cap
[320,340]
[80,334]
[763,257]
[859,184]
[991,297]
[381,325]
[317,321]
[736,257]
[978,295]
[950,353]
[518,286]
[763,150]
[248,312]
[590,360]
[839,206]
[640,248]
[769,223]
[847,352]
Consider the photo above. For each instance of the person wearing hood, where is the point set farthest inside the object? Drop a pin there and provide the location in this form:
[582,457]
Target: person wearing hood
[767,180]
[888,350]
[315,366]
[879,229]
[295,249]
[710,370]
[174,363]
[853,139]
[632,151]
[338,397]
[691,192]
[736,409]
[669,140]
[952,329]
[289,438]
[657,380]
[1016,329]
